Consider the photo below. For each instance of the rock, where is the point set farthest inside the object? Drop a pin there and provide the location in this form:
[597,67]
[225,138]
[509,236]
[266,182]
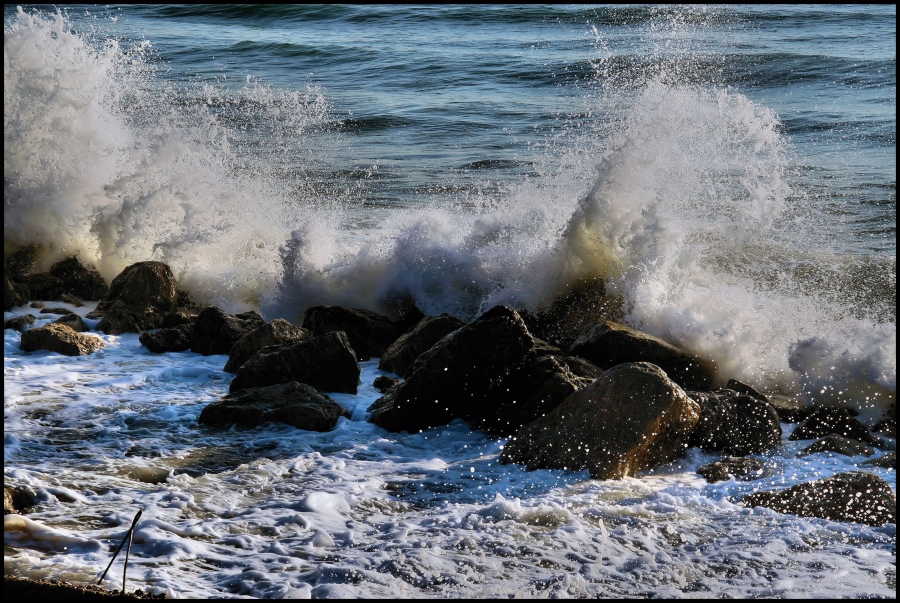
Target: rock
[72,320]
[44,286]
[36,304]
[14,295]
[607,344]
[71,299]
[60,338]
[738,467]
[215,331]
[839,444]
[790,409]
[79,280]
[26,589]
[276,332]
[401,354]
[827,420]
[887,426]
[326,362]
[173,339]
[887,461]
[19,263]
[137,300]
[743,388]
[735,424]
[631,419]
[383,383]
[853,496]
[17,499]
[458,376]
[60,310]
[178,318]
[19,323]
[369,333]
[581,367]
[292,403]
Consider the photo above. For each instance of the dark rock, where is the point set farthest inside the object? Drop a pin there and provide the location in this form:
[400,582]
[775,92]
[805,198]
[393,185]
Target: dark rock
[736,424]
[71,299]
[839,444]
[80,280]
[400,355]
[631,419]
[887,426]
[138,299]
[173,339]
[276,332]
[19,323]
[581,367]
[369,333]
[738,467]
[215,331]
[26,589]
[72,320]
[187,302]
[790,409]
[292,403]
[852,496]
[36,304]
[544,348]
[607,344]
[326,362]
[887,461]
[13,296]
[19,263]
[828,420]
[17,499]
[404,312]
[457,377]
[178,318]
[743,388]
[61,339]
[383,383]
[44,286]
[60,310]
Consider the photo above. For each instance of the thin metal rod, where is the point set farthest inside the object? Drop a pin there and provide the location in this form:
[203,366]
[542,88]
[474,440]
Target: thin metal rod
[125,568]
[127,534]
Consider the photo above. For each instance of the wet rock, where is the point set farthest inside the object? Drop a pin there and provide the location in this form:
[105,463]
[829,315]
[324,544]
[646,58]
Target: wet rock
[326,362]
[276,332]
[887,461]
[43,286]
[36,304]
[827,420]
[607,344]
[383,383]
[369,334]
[79,280]
[735,424]
[137,300]
[173,339]
[17,499]
[14,295]
[59,310]
[60,338]
[632,419]
[458,375]
[737,467]
[71,299]
[72,320]
[26,589]
[19,263]
[216,331]
[400,355]
[292,403]
[887,426]
[19,323]
[790,409]
[853,496]
[178,318]
[839,444]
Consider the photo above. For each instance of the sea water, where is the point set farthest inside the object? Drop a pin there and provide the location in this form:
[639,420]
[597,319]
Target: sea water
[729,172]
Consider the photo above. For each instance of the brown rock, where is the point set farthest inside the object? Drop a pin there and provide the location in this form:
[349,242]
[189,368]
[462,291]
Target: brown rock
[80,280]
[20,323]
[72,320]
[736,424]
[738,467]
[44,286]
[401,354]
[174,339]
[138,299]
[17,499]
[216,331]
[840,445]
[276,332]
[14,295]
[60,338]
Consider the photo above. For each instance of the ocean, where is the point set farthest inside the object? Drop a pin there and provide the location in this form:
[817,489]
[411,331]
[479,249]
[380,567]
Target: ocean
[728,171]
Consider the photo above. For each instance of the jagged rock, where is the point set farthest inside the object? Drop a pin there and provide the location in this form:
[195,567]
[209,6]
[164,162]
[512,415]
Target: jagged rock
[828,420]
[736,424]
[369,333]
[72,320]
[215,331]
[277,332]
[16,499]
[581,367]
[401,354]
[790,409]
[457,377]
[326,362]
[14,295]
[292,403]
[743,388]
[43,286]
[137,300]
[19,323]
[60,310]
[383,383]
[19,263]
[631,419]
[607,344]
[839,444]
[853,496]
[173,339]
[60,338]
[178,318]
[738,467]
[80,280]
[887,461]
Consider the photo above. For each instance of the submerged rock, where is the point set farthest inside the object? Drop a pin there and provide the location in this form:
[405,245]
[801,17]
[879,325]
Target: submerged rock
[736,424]
[738,467]
[216,331]
[276,332]
[369,333]
[400,355]
[631,419]
[888,461]
[840,445]
[137,300]
[852,496]
[60,338]
[20,323]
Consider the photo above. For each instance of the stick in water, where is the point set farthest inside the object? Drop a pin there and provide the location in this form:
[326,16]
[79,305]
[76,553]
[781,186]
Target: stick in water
[127,537]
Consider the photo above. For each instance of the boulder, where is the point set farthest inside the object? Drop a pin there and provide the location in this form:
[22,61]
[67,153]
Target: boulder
[608,343]
[579,366]
[72,320]
[458,376]
[737,467]
[14,295]
[43,286]
[852,496]
[173,339]
[735,424]
[827,420]
[178,318]
[19,263]
[36,305]
[292,403]
[400,355]
[277,332]
[887,426]
[632,419]
[790,409]
[887,461]
[369,333]
[19,323]
[383,383]
[838,444]
[60,310]
[137,300]
[60,338]
[71,299]
[326,362]
[16,499]
[216,331]
[80,280]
